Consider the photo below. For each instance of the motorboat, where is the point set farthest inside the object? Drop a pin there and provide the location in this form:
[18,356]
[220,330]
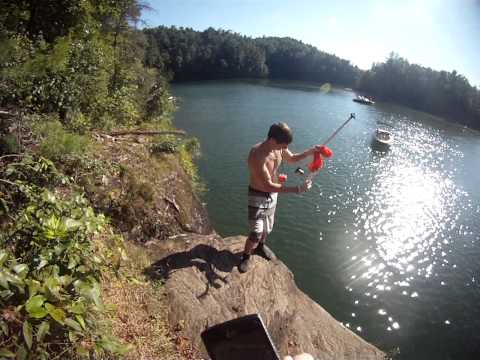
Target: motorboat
[383,138]
[364,100]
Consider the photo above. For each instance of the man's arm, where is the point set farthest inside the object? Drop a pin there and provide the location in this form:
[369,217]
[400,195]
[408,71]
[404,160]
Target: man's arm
[292,158]
[270,186]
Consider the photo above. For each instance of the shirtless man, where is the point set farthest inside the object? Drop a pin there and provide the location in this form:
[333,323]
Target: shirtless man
[263,162]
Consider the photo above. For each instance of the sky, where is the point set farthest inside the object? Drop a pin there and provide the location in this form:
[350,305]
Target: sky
[440,34]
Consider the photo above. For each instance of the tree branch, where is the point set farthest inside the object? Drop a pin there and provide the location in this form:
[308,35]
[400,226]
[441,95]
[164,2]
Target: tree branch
[150,133]
[11,155]
[8,182]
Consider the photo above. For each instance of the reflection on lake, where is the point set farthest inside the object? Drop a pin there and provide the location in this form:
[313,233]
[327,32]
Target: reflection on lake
[386,241]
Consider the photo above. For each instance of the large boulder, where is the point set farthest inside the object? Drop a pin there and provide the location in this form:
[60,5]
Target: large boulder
[204,288]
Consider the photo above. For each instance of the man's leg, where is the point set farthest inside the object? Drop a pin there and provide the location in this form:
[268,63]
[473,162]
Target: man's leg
[250,245]
[262,249]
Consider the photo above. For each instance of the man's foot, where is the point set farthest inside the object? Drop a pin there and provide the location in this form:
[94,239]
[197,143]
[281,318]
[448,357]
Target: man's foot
[244,264]
[265,252]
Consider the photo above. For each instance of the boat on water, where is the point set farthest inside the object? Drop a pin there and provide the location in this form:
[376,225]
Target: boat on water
[364,100]
[383,138]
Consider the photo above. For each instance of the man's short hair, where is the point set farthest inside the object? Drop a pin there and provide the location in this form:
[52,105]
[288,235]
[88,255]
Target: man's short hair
[281,133]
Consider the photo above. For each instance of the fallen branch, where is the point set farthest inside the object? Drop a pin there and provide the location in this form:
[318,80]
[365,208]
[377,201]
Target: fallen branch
[8,182]
[127,132]
[11,155]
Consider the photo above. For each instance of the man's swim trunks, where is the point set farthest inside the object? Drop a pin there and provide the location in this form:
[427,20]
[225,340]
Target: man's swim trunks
[261,213]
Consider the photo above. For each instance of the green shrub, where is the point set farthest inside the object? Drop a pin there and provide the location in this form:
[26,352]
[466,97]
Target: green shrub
[50,274]
[163,147]
[40,172]
[56,142]
[9,144]
[192,145]
[79,123]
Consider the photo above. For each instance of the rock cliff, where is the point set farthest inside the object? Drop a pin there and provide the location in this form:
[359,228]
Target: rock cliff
[204,288]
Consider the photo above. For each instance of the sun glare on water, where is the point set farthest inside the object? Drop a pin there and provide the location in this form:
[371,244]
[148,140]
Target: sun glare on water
[405,224]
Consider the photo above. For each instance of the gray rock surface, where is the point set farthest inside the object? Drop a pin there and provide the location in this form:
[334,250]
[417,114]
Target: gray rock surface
[204,288]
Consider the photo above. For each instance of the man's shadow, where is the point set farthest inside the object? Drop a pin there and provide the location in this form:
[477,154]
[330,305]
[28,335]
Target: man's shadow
[205,258]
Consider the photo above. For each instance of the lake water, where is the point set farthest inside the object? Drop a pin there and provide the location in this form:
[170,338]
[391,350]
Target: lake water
[387,242]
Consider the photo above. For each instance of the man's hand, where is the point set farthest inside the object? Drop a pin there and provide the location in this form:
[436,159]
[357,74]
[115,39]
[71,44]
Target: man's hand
[307,185]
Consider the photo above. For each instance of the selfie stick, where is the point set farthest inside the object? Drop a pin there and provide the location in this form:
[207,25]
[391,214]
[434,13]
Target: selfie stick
[352,116]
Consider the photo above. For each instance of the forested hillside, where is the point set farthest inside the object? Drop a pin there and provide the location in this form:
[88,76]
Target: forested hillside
[186,54]
[218,54]
[438,92]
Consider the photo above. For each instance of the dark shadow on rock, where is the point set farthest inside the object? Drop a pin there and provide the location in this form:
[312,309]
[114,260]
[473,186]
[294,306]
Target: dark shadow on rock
[205,258]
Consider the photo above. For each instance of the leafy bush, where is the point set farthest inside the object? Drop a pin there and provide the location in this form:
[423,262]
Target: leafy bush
[79,123]
[50,273]
[192,145]
[40,172]
[190,149]
[9,144]
[163,147]
[56,142]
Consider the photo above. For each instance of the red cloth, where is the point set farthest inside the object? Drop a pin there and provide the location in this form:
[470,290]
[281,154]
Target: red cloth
[317,162]
[326,151]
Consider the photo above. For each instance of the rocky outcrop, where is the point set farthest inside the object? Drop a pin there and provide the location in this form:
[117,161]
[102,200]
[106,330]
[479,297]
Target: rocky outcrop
[204,288]
[147,196]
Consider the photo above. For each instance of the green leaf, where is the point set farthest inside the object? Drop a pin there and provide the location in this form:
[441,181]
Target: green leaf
[34,307]
[5,294]
[42,330]
[78,307]
[53,286]
[59,249]
[96,295]
[11,278]
[72,336]
[5,353]
[4,327]
[73,324]
[111,345]
[33,286]
[72,262]
[27,333]
[21,353]
[56,313]
[21,269]
[72,224]
[65,280]
[42,264]
[3,256]
[90,290]
[54,228]
[3,279]
[82,351]
[3,206]
[81,321]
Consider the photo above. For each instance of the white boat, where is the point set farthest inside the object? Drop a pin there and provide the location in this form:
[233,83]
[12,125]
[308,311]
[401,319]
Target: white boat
[383,137]
[364,100]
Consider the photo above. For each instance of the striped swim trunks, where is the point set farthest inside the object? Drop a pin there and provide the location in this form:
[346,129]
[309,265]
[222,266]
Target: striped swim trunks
[261,213]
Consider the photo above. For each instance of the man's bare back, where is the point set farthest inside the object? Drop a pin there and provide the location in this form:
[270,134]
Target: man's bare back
[263,164]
